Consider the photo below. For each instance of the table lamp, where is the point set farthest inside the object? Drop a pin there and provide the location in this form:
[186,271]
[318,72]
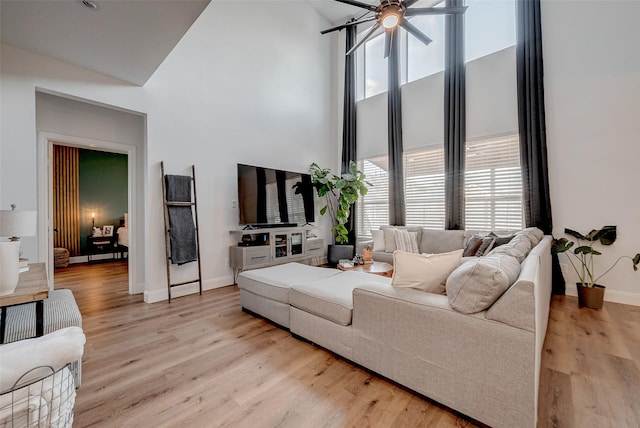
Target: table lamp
[14,225]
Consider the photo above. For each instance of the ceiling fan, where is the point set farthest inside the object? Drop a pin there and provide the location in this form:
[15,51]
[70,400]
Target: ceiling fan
[390,14]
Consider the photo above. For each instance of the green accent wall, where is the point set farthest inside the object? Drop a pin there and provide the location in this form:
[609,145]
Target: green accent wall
[103,190]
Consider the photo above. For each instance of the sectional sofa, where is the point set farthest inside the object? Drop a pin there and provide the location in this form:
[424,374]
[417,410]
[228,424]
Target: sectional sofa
[483,363]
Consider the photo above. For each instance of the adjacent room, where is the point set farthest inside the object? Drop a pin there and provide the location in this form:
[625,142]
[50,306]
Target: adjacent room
[319,213]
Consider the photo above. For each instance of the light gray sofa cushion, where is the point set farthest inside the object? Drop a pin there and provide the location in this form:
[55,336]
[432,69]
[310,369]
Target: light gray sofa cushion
[441,241]
[332,298]
[274,282]
[534,235]
[518,247]
[477,284]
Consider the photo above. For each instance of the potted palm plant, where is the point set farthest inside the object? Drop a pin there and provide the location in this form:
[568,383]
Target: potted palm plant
[340,192]
[590,293]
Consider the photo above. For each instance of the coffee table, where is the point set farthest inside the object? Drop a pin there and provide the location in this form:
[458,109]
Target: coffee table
[377,268]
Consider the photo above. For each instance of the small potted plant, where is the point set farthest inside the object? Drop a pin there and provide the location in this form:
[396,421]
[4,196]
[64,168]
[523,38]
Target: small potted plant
[590,293]
[367,253]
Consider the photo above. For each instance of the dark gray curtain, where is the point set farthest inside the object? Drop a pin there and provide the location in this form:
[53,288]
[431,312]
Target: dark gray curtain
[349,120]
[531,121]
[454,118]
[531,117]
[397,215]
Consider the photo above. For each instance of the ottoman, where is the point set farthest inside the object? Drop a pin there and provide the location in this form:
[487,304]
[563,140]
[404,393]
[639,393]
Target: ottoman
[60,257]
[266,291]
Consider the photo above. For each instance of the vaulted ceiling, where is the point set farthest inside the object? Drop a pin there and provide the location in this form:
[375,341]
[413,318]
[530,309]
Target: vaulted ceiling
[125,39]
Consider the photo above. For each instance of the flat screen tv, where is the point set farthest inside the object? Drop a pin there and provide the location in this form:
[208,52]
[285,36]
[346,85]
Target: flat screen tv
[273,197]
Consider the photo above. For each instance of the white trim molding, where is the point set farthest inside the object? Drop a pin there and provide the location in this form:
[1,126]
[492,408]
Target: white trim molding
[154,296]
[46,140]
[612,296]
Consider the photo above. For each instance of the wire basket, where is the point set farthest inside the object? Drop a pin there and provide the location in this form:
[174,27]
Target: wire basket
[42,397]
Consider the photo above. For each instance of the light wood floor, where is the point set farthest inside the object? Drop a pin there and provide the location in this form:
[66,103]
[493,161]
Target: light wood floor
[201,362]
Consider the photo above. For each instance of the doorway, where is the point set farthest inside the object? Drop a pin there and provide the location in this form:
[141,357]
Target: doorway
[90,209]
[87,214]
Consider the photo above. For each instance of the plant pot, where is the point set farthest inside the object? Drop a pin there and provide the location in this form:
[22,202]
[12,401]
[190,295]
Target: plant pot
[590,297]
[367,255]
[336,252]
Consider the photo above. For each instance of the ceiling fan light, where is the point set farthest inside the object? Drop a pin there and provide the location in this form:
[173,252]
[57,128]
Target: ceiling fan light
[390,20]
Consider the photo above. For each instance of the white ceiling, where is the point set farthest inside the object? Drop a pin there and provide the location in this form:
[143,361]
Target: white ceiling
[338,13]
[127,40]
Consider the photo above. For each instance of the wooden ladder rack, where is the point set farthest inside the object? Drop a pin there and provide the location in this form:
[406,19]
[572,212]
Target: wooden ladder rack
[167,236]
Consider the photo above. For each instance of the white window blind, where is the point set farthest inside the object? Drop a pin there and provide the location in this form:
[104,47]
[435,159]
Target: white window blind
[373,208]
[424,187]
[493,187]
[493,184]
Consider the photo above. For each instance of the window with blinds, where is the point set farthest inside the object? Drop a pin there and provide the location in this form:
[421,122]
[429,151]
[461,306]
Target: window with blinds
[493,187]
[373,208]
[424,187]
[493,184]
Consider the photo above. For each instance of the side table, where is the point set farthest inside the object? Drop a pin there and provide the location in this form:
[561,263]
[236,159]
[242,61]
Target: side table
[32,287]
[377,268]
[101,245]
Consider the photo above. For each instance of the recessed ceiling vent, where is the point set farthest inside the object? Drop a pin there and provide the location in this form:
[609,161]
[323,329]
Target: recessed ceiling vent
[91,5]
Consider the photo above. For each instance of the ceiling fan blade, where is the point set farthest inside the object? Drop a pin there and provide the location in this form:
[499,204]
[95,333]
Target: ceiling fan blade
[371,30]
[388,41]
[435,10]
[413,30]
[359,4]
[348,24]
[409,3]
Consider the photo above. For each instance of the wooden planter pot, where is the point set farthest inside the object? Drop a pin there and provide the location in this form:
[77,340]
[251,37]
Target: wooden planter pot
[590,297]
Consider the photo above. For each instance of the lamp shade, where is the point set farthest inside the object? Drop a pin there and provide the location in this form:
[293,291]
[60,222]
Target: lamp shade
[16,224]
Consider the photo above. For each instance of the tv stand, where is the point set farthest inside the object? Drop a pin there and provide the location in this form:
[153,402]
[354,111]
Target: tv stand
[257,248]
[269,226]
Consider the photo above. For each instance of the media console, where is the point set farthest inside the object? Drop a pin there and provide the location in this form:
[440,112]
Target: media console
[258,248]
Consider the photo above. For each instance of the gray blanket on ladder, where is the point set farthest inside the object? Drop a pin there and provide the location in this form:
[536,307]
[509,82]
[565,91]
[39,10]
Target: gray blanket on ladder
[182,230]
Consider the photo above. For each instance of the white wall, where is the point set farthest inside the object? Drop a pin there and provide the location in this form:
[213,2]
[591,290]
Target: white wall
[73,119]
[250,82]
[592,84]
[22,74]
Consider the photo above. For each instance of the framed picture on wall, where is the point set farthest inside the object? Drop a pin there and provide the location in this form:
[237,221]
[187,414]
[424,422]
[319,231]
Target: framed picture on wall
[107,230]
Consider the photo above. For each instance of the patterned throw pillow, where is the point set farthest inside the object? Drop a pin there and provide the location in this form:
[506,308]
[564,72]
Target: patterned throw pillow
[486,246]
[500,240]
[406,241]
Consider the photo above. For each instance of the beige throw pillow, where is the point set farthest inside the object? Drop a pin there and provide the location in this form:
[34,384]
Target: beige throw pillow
[378,240]
[427,272]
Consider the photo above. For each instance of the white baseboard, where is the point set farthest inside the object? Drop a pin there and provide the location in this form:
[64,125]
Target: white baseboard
[613,296]
[154,296]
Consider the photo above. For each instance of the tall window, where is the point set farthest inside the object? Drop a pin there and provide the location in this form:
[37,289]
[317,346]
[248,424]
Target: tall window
[490,26]
[493,184]
[423,60]
[373,208]
[424,187]
[493,187]
[375,66]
